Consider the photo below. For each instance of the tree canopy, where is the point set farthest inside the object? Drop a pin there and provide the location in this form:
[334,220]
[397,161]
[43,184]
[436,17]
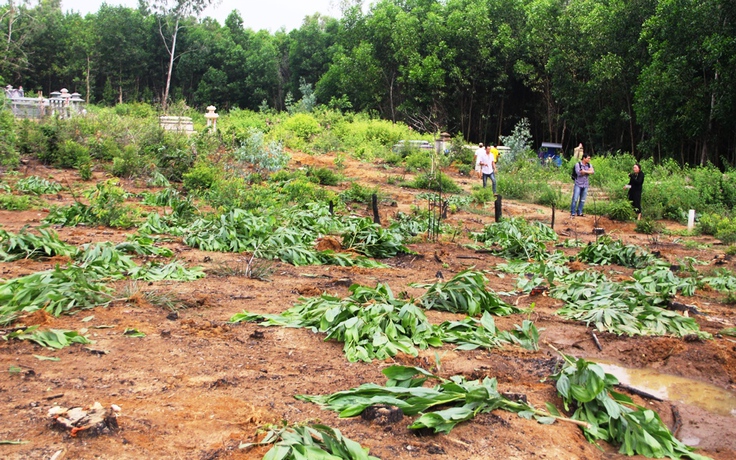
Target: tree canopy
[653,77]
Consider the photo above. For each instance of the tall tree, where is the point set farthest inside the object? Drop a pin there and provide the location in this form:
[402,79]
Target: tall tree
[171,16]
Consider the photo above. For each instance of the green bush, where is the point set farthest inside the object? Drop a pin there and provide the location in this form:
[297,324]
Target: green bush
[134,109]
[708,223]
[324,176]
[31,140]
[620,210]
[174,156]
[302,127]
[261,157]
[418,160]
[105,148]
[14,202]
[438,182]
[483,195]
[358,193]
[71,154]
[130,164]
[8,138]
[304,191]
[236,125]
[726,231]
[236,193]
[509,186]
[648,226]
[107,205]
[549,196]
[201,176]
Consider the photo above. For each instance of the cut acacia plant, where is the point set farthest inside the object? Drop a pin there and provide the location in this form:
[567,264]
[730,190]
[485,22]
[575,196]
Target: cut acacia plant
[611,416]
[460,399]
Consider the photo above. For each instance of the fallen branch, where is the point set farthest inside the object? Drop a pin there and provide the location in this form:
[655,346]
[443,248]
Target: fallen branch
[638,392]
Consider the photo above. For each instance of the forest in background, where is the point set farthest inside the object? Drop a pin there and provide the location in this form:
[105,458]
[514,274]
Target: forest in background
[655,78]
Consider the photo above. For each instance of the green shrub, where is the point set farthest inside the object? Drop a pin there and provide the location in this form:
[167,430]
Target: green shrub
[130,164]
[325,176]
[31,139]
[302,125]
[418,160]
[303,191]
[358,193]
[234,192]
[647,226]
[620,210]
[71,155]
[726,231]
[326,141]
[483,195]
[464,170]
[259,156]
[549,196]
[392,158]
[708,223]
[237,125]
[14,202]
[201,176]
[8,138]
[105,148]
[134,109]
[437,182]
[509,186]
[173,156]
[107,205]
[731,250]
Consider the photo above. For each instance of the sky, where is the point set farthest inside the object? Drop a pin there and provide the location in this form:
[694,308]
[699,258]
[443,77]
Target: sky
[264,14]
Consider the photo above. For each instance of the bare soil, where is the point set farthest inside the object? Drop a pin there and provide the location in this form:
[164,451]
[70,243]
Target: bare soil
[195,387]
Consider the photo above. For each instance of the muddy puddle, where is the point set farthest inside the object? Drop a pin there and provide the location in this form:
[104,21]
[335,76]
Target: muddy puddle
[703,409]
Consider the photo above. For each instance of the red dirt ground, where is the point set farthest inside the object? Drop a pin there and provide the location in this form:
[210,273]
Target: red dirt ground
[195,387]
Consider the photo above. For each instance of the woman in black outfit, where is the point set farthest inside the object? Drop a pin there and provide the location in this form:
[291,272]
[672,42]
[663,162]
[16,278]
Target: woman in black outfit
[636,179]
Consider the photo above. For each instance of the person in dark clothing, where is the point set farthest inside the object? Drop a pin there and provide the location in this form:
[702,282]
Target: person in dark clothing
[636,180]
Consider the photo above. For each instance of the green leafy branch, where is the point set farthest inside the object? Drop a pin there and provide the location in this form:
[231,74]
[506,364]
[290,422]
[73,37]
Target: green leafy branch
[611,416]
[310,442]
[404,390]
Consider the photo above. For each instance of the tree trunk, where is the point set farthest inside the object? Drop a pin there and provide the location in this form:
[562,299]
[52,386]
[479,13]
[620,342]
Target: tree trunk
[172,52]
[88,72]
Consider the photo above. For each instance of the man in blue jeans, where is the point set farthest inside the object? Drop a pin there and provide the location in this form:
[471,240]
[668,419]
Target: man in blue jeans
[583,169]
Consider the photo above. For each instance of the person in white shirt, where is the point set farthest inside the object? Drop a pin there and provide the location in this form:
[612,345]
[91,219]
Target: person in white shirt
[481,149]
[485,164]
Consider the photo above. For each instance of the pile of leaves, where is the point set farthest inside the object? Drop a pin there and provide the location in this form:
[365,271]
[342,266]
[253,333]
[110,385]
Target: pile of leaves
[51,338]
[310,442]
[57,291]
[460,399]
[37,186]
[373,324]
[623,308]
[291,236]
[465,293]
[27,245]
[517,238]
[609,251]
[471,333]
[613,417]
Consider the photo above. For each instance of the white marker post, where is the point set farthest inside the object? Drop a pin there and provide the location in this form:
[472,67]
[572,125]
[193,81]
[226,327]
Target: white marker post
[691,220]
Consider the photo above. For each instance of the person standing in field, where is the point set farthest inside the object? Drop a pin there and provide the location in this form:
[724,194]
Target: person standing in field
[485,165]
[583,169]
[635,185]
[480,150]
[578,152]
